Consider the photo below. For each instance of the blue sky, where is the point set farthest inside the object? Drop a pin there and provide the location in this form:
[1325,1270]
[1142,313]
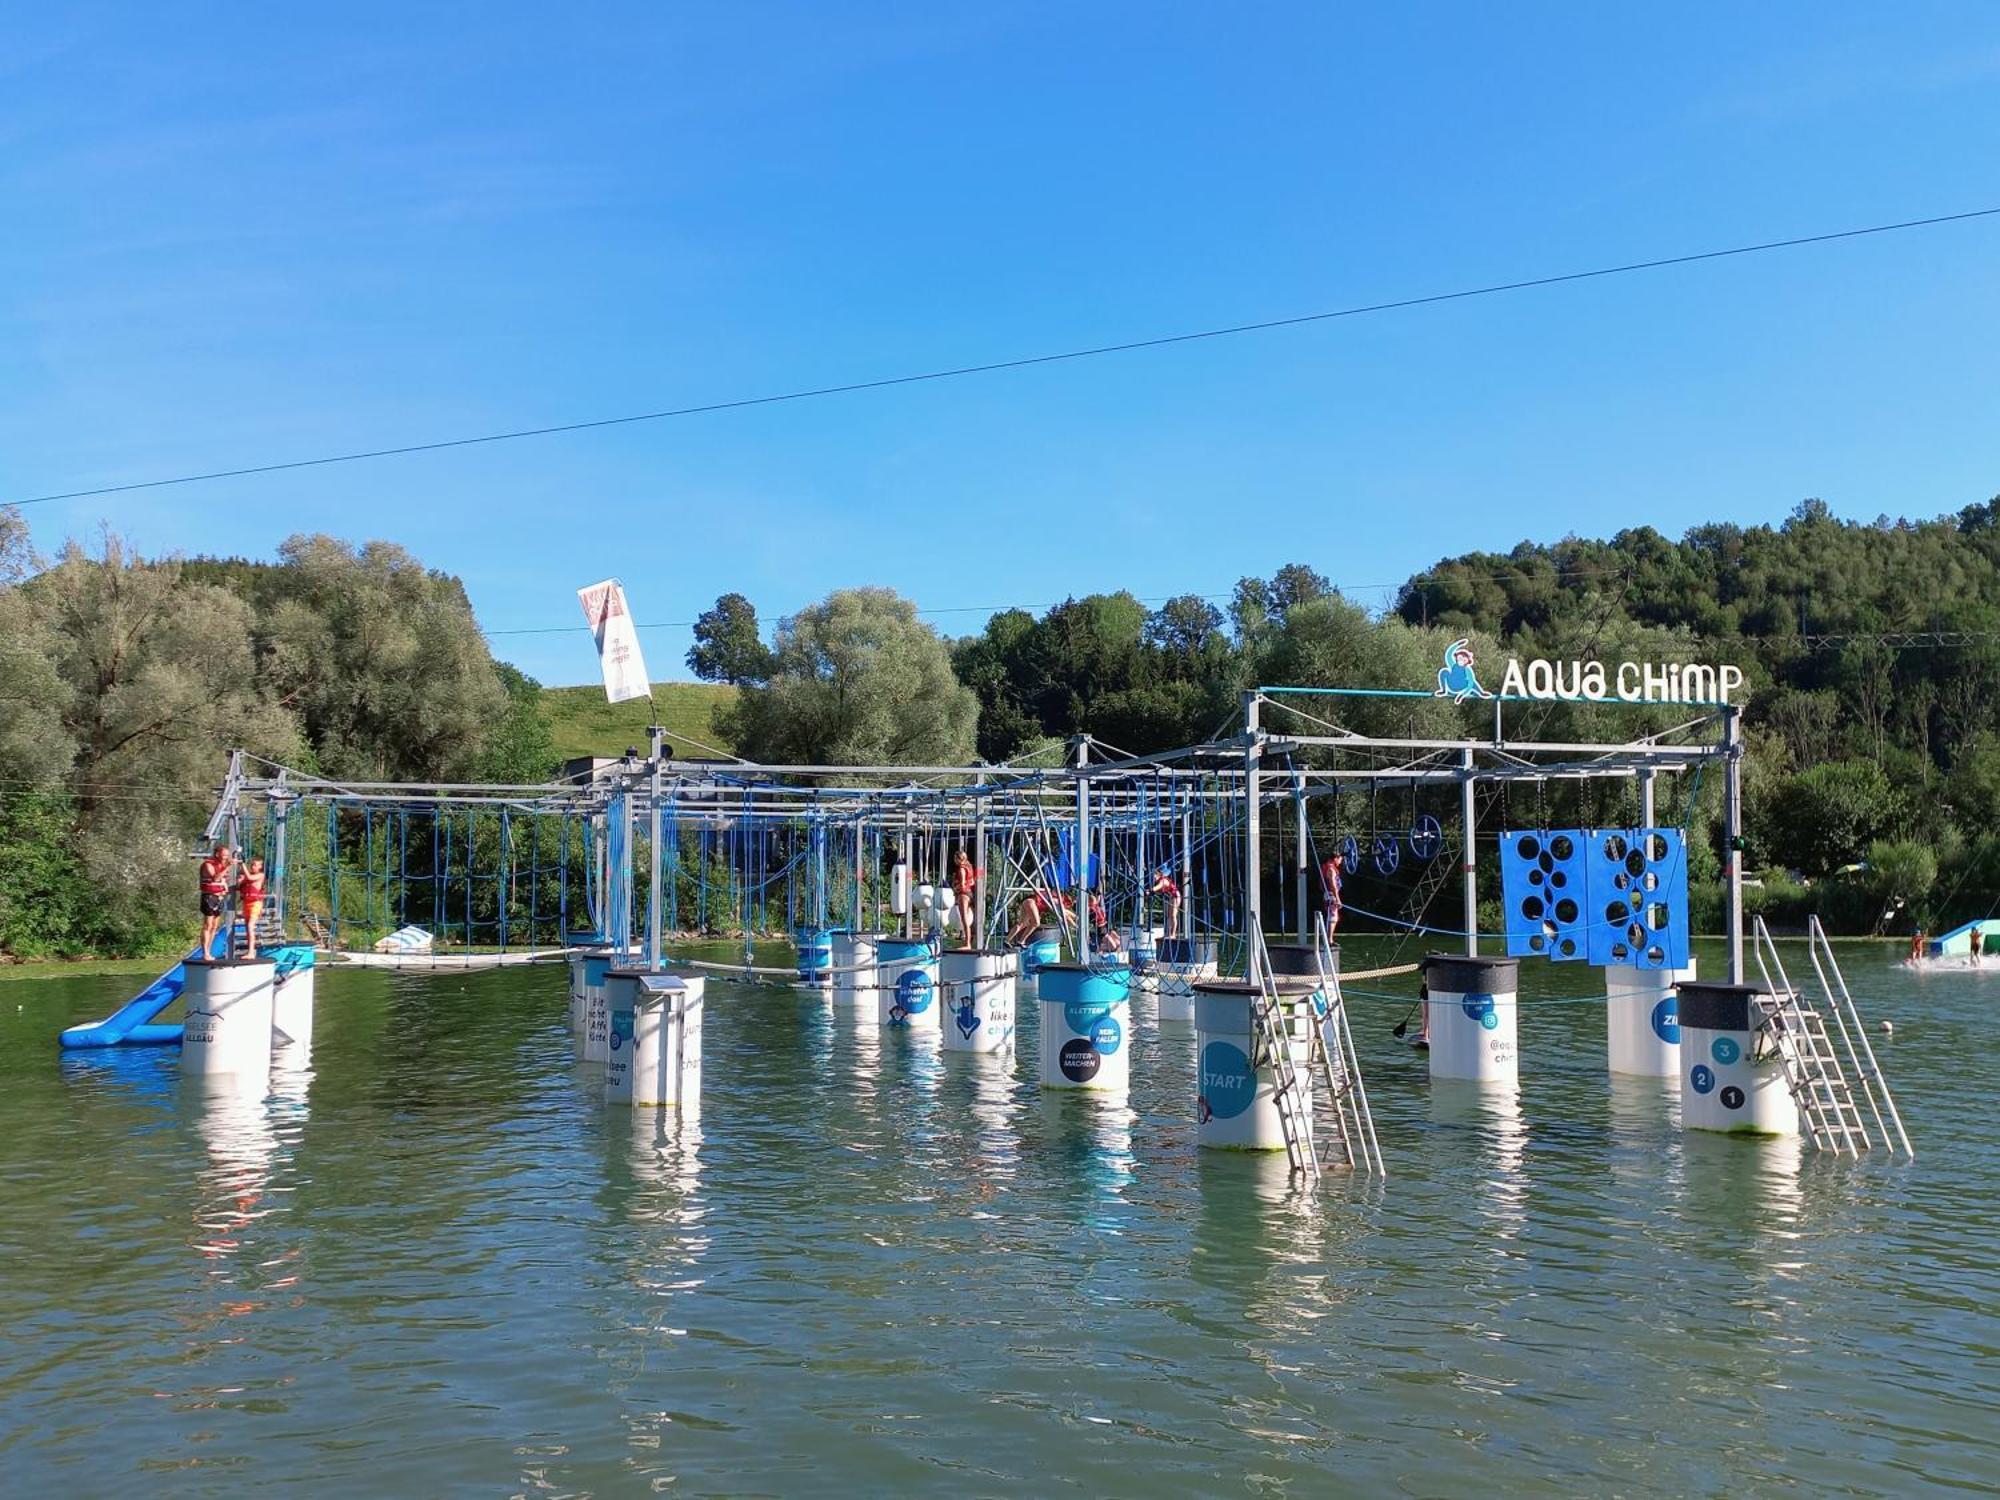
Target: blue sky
[254,234]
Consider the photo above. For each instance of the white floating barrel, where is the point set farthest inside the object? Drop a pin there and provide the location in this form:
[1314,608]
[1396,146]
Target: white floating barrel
[1474,1017]
[1236,1102]
[1723,1084]
[978,993]
[1086,1026]
[576,962]
[1642,1031]
[655,1039]
[1180,964]
[854,958]
[292,996]
[228,1025]
[906,983]
[586,972]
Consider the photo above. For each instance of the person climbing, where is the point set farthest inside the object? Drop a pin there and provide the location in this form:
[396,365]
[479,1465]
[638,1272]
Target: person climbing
[964,881]
[250,901]
[213,878]
[1329,879]
[1036,907]
[1164,887]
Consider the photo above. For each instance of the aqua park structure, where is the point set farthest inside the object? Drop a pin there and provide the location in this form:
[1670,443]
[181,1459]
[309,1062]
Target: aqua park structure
[1204,883]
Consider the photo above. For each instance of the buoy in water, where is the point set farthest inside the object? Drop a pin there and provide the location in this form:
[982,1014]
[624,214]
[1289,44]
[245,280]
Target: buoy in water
[1888,1028]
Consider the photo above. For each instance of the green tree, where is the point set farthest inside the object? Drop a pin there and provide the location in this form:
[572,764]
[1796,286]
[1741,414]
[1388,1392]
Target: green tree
[858,680]
[382,660]
[520,748]
[1827,815]
[1901,874]
[157,682]
[727,647]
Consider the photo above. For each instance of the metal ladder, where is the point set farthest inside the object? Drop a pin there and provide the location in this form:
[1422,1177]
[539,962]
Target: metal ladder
[1273,1044]
[1794,1028]
[1336,1067]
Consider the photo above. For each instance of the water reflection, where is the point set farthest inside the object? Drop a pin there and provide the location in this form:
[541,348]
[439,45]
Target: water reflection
[1086,1135]
[1490,1121]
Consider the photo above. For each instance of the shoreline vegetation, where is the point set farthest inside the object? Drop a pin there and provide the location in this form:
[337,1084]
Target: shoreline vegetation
[1870,655]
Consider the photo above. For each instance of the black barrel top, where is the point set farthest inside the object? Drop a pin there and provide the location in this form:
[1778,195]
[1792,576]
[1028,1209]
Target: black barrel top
[1711,1005]
[1464,974]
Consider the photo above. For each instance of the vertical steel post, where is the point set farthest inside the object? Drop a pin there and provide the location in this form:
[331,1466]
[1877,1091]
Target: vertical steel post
[1299,792]
[654,904]
[1082,851]
[977,937]
[1253,896]
[1467,816]
[1732,833]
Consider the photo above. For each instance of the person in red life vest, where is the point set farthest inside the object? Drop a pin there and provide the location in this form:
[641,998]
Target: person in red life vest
[214,880]
[964,881]
[1329,879]
[1104,936]
[1163,886]
[250,902]
[1037,907]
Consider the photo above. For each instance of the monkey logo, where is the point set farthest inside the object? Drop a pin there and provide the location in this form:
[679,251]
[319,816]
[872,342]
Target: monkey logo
[1456,679]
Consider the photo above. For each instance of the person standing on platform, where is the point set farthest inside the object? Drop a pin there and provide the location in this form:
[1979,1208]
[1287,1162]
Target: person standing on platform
[250,902]
[1977,943]
[964,881]
[214,879]
[1329,879]
[1164,887]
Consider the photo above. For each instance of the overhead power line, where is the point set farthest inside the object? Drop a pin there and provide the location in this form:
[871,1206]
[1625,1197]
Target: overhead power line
[1022,363]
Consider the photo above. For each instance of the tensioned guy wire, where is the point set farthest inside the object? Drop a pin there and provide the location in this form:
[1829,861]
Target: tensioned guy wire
[1024,362]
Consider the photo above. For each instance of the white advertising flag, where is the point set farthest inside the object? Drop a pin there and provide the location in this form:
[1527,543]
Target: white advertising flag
[617,642]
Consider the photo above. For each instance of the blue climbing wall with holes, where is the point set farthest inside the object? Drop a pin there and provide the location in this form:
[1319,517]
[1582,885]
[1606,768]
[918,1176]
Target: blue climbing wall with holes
[1542,887]
[1600,896]
[1637,887]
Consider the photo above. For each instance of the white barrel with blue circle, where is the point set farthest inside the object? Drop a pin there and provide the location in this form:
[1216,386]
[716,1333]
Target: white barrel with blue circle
[906,974]
[654,1053]
[1086,1026]
[1642,1030]
[1179,964]
[292,997]
[815,947]
[978,993]
[1041,949]
[1725,1086]
[854,959]
[227,1031]
[1474,1017]
[576,963]
[596,1036]
[1236,1085]
[587,972]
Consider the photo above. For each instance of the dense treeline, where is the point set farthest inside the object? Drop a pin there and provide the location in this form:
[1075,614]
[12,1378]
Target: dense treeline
[124,682]
[1873,656]
[1872,653]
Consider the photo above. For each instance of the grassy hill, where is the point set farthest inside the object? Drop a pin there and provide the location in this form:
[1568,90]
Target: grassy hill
[582,723]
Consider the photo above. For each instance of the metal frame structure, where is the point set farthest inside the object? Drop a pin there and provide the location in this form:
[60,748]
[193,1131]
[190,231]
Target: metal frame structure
[1283,757]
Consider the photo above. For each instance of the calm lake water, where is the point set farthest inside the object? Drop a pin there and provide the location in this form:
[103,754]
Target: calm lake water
[439,1265]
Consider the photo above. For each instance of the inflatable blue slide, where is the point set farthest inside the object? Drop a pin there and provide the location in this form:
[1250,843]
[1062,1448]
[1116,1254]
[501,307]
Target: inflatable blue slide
[131,1025]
